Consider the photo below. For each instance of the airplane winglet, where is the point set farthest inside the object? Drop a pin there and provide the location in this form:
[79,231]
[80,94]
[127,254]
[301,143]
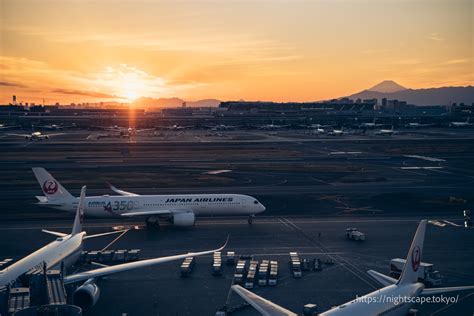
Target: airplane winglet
[121,192]
[265,307]
[59,234]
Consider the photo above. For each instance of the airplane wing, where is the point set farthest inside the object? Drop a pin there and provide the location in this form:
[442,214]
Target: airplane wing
[147,213]
[53,233]
[263,306]
[121,192]
[59,234]
[9,127]
[441,290]
[383,279]
[51,135]
[19,135]
[133,265]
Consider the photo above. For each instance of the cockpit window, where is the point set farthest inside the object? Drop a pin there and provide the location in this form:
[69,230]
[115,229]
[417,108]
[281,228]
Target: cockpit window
[255,202]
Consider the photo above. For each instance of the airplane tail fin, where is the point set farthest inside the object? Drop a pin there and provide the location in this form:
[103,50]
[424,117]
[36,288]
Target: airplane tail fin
[409,272]
[77,227]
[52,189]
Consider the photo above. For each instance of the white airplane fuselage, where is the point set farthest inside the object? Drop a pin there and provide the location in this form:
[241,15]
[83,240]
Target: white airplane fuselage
[390,300]
[200,204]
[64,249]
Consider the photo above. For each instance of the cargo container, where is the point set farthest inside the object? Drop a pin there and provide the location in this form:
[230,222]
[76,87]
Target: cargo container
[217,263]
[273,278]
[230,258]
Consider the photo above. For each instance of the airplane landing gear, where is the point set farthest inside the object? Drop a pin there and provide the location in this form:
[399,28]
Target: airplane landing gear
[152,222]
[250,220]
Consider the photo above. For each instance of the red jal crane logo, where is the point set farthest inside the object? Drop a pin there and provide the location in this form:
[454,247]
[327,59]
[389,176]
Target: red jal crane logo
[50,187]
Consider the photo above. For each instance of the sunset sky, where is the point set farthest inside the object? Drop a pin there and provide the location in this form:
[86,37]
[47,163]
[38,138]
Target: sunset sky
[282,50]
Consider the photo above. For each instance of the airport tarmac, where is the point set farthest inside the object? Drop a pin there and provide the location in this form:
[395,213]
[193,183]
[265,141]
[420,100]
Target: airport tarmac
[160,291]
[326,176]
[309,184]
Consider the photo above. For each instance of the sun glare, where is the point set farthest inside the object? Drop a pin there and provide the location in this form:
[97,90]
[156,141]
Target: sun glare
[128,83]
[130,95]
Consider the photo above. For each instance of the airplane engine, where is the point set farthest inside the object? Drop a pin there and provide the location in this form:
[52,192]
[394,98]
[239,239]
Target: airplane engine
[184,219]
[86,295]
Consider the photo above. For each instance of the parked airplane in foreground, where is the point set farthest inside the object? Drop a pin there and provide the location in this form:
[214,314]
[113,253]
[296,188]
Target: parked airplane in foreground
[386,301]
[66,250]
[180,209]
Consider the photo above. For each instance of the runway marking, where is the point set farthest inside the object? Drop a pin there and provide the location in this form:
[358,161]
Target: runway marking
[425,158]
[273,221]
[115,240]
[345,153]
[419,168]
[410,171]
[214,172]
[286,224]
[340,260]
[322,181]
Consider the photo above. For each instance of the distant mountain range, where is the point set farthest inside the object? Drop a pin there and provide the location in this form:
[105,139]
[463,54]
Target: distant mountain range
[431,96]
[385,89]
[173,102]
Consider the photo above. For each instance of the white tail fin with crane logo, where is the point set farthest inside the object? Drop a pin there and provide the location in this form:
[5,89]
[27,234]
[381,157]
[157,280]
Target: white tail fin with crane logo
[51,188]
[77,227]
[410,270]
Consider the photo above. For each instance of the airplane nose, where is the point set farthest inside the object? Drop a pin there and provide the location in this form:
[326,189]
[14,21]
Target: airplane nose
[262,208]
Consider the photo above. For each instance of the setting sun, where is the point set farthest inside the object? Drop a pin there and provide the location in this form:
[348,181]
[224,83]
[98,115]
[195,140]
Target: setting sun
[130,95]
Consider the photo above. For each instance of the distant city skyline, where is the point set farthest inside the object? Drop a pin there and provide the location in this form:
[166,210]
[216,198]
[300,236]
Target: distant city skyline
[92,51]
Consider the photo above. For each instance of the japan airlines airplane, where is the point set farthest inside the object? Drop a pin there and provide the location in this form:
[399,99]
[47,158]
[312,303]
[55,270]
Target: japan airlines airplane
[66,250]
[396,298]
[180,209]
